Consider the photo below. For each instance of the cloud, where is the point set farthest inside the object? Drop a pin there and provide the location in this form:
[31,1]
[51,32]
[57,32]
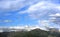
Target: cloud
[52,15]
[12,5]
[43,22]
[36,9]
[42,8]
[6,21]
[52,19]
[55,18]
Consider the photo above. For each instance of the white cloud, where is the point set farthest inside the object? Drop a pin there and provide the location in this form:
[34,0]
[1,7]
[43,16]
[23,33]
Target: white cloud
[58,7]
[55,18]
[12,5]
[43,22]
[16,27]
[57,14]
[45,25]
[41,8]
[52,18]
[7,21]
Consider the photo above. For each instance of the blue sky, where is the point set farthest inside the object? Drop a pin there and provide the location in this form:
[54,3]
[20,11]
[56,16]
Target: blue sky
[28,12]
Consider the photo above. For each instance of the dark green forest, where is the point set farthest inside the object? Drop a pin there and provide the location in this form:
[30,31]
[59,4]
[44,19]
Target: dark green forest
[32,33]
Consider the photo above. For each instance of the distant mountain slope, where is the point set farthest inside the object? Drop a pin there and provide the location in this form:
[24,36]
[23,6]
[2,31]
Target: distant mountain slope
[32,33]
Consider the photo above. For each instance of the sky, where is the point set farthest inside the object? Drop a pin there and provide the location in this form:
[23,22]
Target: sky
[29,12]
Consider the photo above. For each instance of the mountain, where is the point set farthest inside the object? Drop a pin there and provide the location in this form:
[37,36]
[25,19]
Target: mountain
[33,33]
[18,28]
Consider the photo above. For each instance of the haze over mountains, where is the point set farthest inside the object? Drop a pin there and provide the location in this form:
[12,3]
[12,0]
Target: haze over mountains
[26,28]
[18,28]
